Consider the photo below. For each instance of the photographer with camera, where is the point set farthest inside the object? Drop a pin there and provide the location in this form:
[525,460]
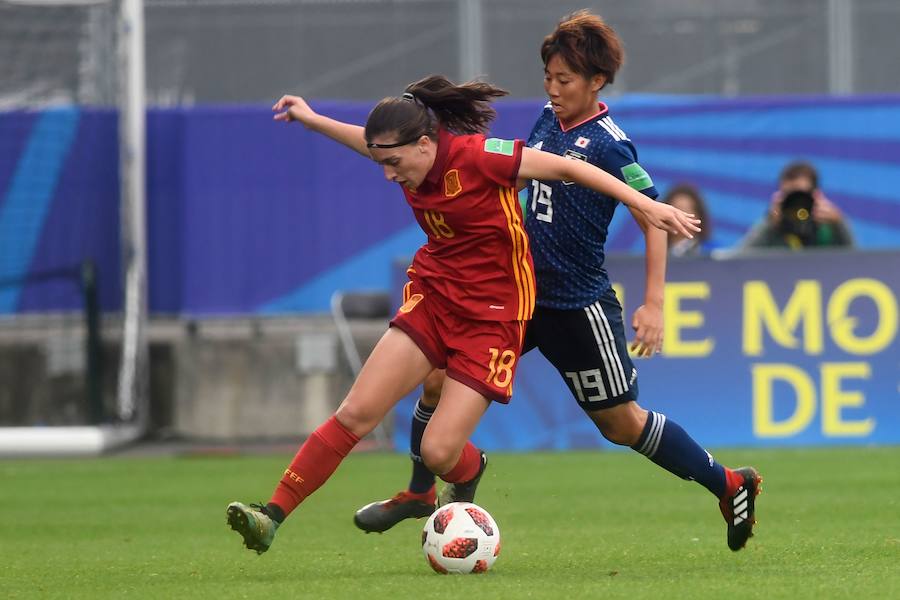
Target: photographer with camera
[800,216]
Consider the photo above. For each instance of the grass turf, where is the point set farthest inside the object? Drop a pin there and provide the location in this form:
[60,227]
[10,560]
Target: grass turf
[574,525]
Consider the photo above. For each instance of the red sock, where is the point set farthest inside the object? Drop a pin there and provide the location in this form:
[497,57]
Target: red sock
[467,467]
[732,481]
[314,463]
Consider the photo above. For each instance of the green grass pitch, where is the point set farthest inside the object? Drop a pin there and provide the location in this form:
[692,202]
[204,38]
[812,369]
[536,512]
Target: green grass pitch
[574,525]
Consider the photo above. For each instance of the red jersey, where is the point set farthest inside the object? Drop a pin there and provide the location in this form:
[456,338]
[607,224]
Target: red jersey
[477,258]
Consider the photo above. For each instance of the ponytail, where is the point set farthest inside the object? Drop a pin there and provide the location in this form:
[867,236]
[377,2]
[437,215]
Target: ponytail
[432,102]
[462,108]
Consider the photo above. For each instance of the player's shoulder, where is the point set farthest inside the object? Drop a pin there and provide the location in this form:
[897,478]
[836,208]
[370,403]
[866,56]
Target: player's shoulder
[547,116]
[466,147]
[611,137]
[544,126]
[604,128]
[611,128]
[468,142]
[483,156]
[477,145]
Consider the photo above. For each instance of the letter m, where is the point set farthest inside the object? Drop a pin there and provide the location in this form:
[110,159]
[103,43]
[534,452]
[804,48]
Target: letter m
[760,310]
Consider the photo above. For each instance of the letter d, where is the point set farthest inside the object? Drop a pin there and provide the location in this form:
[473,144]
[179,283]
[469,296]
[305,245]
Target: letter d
[764,424]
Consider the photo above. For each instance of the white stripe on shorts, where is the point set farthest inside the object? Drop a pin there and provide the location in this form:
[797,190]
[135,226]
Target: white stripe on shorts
[595,326]
[606,344]
[614,350]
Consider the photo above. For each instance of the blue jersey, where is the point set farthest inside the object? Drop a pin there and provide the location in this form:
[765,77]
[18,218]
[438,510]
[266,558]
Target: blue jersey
[566,223]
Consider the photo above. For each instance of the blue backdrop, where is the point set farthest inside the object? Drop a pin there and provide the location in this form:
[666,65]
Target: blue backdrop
[770,350]
[248,216]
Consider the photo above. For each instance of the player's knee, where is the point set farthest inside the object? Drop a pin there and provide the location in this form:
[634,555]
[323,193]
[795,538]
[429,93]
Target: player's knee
[615,434]
[359,421]
[431,388]
[622,425]
[439,458]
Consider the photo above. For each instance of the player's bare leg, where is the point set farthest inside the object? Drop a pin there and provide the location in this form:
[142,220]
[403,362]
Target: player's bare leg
[377,389]
[455,419]
[418,500]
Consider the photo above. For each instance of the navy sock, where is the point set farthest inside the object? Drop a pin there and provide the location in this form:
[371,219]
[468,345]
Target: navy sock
[275,513]
[422,479]
[664,442]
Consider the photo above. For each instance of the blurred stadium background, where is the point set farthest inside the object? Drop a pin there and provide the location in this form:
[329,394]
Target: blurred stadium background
[171,277]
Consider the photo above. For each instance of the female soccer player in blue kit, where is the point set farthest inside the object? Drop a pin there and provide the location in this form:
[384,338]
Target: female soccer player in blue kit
[577,324]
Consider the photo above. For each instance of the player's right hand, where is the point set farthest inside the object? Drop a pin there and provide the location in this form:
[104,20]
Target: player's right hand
[293,108]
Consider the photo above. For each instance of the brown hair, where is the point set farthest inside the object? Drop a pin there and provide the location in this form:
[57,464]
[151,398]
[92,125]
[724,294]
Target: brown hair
[798,169]
[700,211]
[587,44]
[433,101]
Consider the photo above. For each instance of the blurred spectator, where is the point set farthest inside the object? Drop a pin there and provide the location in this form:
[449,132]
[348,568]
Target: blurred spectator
[687,198]
[799,216]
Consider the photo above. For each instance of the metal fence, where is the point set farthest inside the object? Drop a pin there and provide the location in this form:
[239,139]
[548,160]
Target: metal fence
[226,51]
[248,51]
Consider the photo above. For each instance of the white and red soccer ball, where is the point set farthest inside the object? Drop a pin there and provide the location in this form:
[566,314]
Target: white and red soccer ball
[461,537]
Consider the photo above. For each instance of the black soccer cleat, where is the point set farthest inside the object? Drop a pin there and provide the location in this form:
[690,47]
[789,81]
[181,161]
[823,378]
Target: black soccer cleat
[739,508]
[462,492]
[378,517]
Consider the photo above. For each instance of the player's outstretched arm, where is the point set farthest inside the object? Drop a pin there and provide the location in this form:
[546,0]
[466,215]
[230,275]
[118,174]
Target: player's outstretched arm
[537,164]
[647,321]
[295,108]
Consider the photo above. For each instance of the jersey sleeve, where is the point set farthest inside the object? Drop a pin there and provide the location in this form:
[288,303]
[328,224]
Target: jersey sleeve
[620,159]
[499,160]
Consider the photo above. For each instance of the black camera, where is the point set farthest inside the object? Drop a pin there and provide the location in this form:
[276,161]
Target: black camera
[796,217]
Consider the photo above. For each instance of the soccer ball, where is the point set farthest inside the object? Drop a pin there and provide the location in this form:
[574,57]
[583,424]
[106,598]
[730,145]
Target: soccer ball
[461,537]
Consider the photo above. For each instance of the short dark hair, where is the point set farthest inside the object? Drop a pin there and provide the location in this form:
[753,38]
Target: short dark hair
[587,44]
[701,212]
[797,169]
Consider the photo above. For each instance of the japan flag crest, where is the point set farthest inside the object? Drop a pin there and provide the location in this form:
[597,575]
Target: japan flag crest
[582,142]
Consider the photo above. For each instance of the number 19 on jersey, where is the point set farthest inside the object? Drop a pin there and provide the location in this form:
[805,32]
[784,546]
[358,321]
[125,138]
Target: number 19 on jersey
[540,197]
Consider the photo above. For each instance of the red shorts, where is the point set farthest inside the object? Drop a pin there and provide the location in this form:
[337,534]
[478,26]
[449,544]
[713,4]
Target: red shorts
[482,355]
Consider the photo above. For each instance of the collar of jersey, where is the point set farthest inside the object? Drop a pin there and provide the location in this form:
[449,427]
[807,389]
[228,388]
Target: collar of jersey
[602,109]
[440,159]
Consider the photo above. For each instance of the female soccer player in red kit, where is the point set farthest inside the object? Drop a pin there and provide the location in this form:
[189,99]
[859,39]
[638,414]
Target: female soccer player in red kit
[471,289]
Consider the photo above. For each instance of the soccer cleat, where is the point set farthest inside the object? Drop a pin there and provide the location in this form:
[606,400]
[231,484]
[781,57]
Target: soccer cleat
[739,508]
[255,526]
[462,492]
[381,516]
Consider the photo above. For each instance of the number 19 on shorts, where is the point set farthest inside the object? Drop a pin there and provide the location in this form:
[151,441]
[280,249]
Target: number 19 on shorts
[501,367]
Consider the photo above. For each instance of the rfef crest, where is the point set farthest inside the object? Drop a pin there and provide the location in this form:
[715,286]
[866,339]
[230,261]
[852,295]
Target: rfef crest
[452,185]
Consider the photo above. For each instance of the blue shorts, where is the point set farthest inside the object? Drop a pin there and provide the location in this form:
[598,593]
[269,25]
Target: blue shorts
[589,349]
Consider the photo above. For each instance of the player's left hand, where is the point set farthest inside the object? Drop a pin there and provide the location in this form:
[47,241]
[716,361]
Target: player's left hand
[668,218]
[647,323]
